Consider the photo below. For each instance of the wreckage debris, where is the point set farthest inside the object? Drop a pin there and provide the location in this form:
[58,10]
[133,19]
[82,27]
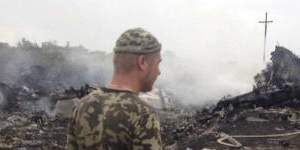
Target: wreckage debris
[30,120]
[32,131]
[266,118]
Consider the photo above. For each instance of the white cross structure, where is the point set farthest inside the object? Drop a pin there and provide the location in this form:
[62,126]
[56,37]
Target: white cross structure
[265,39]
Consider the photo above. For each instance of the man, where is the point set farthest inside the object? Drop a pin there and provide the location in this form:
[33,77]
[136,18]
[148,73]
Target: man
[115,118]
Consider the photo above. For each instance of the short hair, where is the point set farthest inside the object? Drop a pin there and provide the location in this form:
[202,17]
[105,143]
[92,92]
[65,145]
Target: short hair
[126,62]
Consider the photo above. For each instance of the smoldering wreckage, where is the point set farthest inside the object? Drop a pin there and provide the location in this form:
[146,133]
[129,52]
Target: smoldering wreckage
[268,117]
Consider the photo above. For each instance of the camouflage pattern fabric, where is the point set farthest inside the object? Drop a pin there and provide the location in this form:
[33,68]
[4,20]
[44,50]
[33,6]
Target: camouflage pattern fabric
[137,41]
[113,120]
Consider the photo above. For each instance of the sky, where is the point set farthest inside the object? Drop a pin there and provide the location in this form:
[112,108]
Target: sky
[219,42]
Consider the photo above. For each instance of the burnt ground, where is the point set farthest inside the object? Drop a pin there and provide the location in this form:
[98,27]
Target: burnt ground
[196,131]
[32,131]
[235,124]
[272,130]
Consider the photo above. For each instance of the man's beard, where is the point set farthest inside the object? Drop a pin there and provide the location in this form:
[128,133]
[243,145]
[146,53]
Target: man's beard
[147,83]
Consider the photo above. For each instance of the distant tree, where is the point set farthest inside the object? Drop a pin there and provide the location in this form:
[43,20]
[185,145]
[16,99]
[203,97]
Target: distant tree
[50,45]
[27,45]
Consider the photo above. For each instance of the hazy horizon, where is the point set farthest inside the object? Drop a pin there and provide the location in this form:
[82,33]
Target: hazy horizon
[218,43]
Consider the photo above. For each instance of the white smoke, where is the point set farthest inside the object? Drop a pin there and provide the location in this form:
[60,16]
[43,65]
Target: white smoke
[206,81]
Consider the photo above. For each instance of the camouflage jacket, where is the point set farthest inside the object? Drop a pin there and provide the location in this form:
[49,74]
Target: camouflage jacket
[113,120]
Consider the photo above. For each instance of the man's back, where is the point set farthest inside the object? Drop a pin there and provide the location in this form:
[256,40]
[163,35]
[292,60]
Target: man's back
[116,120]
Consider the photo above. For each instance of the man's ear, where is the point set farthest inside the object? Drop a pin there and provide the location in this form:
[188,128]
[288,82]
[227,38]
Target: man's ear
[142,63]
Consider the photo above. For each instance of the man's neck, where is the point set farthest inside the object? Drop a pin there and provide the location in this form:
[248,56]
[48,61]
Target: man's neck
[124,83]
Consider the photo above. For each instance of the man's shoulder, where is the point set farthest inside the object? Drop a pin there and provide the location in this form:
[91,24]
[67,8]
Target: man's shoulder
[110,97]
[92,96]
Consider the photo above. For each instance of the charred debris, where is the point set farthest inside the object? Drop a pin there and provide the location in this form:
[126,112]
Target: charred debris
[276,86]
[39,85]
[265,118]
[38,91]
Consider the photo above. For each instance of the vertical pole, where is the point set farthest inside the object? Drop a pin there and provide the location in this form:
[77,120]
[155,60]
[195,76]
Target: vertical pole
[265,39]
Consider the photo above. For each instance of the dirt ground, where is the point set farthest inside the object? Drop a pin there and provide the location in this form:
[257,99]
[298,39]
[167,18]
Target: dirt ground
[273,129]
